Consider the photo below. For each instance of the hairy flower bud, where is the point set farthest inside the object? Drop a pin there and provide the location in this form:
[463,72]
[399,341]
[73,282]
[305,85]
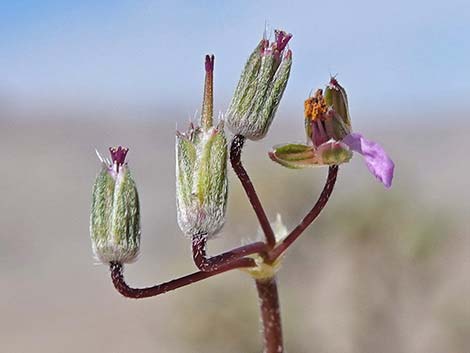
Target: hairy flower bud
[115,214]
[201,180]
[201,170]
[260,88]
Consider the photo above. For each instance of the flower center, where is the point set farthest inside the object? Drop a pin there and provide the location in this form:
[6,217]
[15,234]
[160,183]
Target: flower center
[315,107]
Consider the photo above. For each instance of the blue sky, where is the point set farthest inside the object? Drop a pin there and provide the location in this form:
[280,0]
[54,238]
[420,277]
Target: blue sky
[394,55]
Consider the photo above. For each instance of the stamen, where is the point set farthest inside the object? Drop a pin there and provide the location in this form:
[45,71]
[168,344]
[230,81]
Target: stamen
[315,107]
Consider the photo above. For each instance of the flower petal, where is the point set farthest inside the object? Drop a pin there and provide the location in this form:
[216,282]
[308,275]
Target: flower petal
[377,160]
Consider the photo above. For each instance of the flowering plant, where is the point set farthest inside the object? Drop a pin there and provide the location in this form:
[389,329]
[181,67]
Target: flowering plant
[202,187]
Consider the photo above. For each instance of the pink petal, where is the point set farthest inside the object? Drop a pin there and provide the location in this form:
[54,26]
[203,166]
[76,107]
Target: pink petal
[377,160]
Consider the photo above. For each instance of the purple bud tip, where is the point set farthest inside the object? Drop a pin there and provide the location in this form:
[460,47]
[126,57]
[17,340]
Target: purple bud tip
[282,38]
[210,63]
[264,44]
[334,83]
[118,155]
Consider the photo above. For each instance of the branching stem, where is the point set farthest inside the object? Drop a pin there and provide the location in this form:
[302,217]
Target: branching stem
[235,159]
[232,257]
[236,258]
[122,287]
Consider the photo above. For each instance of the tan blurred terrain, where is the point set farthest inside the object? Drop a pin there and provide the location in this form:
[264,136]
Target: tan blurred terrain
[379,272]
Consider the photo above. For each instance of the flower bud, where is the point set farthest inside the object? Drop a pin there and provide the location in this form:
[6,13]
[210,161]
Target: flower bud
[201,180]
[260,88]
[201,170]
[115,214]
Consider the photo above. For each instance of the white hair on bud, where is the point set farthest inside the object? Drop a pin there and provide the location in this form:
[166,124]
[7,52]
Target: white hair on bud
[112,252]
[102,159]
[267,31]
[196,216]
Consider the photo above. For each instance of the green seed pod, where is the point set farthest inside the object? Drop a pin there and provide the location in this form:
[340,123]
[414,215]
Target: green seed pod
[201,180]
[115,214]
[260,88]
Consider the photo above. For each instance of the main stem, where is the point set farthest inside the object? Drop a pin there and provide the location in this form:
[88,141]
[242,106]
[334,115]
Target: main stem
[270,315]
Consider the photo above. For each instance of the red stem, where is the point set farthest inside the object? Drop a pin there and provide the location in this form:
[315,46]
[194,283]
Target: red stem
[270,315]
[310,217]
[233,257]
[235,159]
[139,293]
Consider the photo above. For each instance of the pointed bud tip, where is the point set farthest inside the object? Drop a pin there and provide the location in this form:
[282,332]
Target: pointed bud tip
[118,154]
[334,83]
[281,39]
[264,44]
[210,63]
[272,156]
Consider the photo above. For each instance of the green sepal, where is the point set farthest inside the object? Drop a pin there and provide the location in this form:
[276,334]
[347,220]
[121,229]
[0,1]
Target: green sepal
[335,127]
[294,156]
[298,156]
[335,96]
[125,220]
[185,164]
[212,170]
[275,93]
[102,206]
[246,87]
[334,153]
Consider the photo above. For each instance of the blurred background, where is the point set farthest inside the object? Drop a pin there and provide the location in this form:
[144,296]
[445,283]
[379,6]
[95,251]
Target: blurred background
[380,271]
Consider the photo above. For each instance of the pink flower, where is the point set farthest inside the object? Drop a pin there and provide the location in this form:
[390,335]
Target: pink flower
[330,140]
